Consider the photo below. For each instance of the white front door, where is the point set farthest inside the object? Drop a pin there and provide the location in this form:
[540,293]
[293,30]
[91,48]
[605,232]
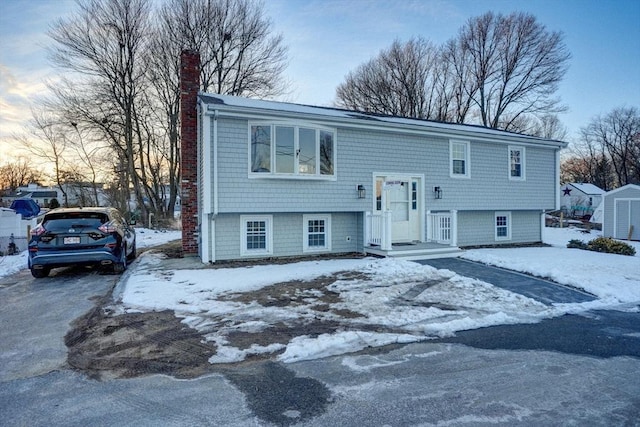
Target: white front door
[401,197]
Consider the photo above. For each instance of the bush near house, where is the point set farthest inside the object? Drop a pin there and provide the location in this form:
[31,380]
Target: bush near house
[603,244]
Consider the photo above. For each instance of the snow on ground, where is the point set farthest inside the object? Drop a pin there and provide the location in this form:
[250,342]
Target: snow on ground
[391,301]
[612,278]
[144,238]
[395,301]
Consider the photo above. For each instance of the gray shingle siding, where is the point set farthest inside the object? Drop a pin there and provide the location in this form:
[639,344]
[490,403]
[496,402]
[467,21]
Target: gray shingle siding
[288,235]
[362,152]
[478,227]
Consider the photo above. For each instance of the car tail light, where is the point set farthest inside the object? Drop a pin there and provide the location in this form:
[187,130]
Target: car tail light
[39,230]
[107,227]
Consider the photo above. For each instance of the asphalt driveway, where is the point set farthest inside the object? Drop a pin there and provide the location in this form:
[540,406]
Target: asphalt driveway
[539,289]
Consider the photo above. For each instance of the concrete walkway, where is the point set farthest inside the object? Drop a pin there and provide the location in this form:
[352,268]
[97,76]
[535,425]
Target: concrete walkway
[539,289]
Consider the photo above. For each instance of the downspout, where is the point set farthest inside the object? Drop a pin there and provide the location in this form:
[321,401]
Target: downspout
[205,185]
[557,179]
[215,186]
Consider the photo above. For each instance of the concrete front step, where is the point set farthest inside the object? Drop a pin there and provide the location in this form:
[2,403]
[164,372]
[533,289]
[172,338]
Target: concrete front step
[417,253]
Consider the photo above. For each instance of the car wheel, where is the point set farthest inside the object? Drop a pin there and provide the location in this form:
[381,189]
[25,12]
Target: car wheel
[40,273]
[132,255]
[121,266]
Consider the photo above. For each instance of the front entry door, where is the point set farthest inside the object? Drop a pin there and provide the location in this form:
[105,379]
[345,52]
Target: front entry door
[401,195]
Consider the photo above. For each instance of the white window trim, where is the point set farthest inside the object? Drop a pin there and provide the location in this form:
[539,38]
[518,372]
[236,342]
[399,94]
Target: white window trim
[268,220]
[495,226]
[467,159]
[523,157]
[327,233]
[295,175]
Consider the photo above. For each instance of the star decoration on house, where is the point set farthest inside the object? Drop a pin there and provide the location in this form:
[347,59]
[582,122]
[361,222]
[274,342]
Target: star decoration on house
[567,191]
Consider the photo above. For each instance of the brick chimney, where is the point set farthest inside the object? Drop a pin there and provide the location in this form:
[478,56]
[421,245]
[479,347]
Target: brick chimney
[189,86]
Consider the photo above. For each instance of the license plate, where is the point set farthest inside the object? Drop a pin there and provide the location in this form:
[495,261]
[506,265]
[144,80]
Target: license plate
[71,240]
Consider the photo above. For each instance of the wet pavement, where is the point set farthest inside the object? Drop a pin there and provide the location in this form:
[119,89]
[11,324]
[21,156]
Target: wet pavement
[539,289]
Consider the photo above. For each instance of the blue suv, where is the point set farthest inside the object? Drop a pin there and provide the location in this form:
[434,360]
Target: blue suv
[81,236]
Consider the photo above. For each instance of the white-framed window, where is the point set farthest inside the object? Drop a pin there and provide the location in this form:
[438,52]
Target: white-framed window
[503,225]
[285,150]
[317,233]
[516,163]
[256,235]
[459,164]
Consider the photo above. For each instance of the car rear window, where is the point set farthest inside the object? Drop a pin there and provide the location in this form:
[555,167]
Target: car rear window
[79,220]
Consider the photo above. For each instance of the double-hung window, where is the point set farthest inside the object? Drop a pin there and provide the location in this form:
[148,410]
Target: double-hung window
[503,225]
[296,151]
[459,159]
[516,163]
[256,235]
[317,233]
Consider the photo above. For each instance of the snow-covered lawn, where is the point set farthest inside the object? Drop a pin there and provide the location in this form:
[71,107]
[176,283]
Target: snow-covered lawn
[389,300]
[366,302]
[612,278]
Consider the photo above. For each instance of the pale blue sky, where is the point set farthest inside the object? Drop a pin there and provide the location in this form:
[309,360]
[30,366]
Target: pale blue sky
[328,38]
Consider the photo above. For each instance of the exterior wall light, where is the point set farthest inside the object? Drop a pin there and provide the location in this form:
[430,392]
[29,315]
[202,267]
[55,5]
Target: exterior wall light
[362,193]
[437,192]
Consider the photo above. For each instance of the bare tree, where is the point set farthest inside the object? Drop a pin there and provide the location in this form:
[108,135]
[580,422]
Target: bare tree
[239,55]
[105,43]
[617,135]
[500,71]
[18,173]
[399,81]
[549,126]
[516,65]
[90,156]
[46,140]
[458,86]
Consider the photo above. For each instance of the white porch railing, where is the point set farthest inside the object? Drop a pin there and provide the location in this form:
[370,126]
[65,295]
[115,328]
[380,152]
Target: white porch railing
[378,230]
[442,227]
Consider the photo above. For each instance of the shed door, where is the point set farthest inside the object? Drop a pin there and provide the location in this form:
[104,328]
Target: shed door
[627,215]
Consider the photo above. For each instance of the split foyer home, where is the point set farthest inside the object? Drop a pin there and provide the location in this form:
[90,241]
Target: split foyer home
[272,179]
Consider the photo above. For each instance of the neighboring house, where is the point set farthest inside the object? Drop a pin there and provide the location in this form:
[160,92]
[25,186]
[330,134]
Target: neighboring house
[14,229]
[42,195]
[621,213]
[580,199]
[84,194]
[270,179]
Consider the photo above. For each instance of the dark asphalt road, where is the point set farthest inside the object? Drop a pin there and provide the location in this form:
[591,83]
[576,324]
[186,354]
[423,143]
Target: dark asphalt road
[603,333]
